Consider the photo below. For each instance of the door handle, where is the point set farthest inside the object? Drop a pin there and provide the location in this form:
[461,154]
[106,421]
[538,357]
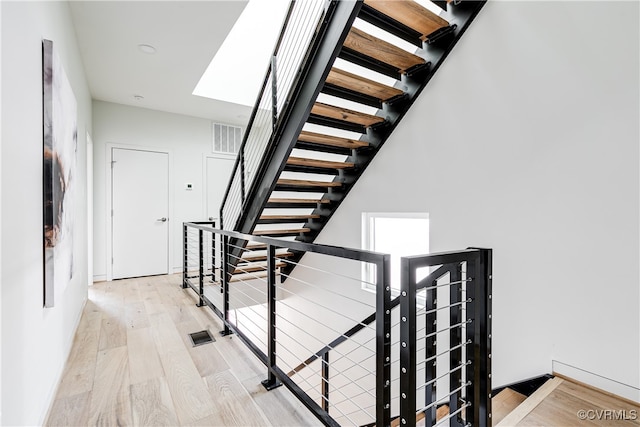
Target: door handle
[162,219]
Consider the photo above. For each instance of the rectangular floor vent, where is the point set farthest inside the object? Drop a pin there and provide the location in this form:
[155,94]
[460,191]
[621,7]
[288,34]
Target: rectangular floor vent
[200,338]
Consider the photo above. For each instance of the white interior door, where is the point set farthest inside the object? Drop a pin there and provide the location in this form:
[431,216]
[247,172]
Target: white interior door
[218,173]
[140,213]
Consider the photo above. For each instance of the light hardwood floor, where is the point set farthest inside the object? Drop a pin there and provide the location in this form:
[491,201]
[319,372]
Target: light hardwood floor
[564,403]
[132,363]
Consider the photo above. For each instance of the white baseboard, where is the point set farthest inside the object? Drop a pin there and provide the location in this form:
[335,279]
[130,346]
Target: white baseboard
[99,278]
[612,386]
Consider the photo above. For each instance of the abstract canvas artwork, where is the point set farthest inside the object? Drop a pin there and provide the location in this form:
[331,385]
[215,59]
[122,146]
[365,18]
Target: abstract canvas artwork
[60,135]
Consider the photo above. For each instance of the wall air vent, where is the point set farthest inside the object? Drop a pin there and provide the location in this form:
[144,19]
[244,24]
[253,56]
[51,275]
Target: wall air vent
[226,138]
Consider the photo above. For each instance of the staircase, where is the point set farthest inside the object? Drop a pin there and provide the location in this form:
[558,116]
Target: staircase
[365,66]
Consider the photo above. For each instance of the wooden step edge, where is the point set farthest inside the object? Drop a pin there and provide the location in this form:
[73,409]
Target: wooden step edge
[380,50]
[253,269]
[301,161]
[255,258]
[250,276]
[298,201]
[529,405]
[280,232]
[362,85]
[345,115]
[411,14]
[287,217]
[503,403]
[330,140]
[306,183]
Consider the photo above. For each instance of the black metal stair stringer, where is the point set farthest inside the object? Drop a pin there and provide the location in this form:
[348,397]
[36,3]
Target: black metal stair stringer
[310,81]
[459,17]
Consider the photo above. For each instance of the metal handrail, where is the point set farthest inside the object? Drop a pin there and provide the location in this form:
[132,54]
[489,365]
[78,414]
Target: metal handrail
[271,82]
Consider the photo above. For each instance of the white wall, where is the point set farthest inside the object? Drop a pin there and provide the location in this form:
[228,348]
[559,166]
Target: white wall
[35,341]
[188,138]
[526,141]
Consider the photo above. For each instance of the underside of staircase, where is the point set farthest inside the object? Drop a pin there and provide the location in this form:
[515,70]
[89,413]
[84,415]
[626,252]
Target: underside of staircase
[372,62]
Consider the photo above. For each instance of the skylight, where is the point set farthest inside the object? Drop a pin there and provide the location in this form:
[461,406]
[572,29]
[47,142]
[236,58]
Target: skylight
[236,72]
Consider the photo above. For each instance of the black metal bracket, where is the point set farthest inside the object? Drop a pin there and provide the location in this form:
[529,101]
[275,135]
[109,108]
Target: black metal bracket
[350,95]
[441,36]
[390,25]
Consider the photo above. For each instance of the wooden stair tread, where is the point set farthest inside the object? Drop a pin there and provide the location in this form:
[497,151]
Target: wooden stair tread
[281,232]
[255,246]
[300,161]
[292,217]
[362,85]
[308,183]
[411,14]
[251,276]
[503,403]
[441,412]
[373,47]
[298,201]
[254,268]
[338,113]
[331,141]
[254,258]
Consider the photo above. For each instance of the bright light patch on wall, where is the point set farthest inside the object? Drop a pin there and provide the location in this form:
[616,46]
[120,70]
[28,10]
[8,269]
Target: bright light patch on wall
[235,74]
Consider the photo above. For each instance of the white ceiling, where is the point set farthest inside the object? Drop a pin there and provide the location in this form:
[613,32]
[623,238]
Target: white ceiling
[186,34]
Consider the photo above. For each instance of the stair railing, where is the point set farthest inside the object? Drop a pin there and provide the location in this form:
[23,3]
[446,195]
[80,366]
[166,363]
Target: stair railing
[304,23]
[284,324]
[428,346]
[445,338]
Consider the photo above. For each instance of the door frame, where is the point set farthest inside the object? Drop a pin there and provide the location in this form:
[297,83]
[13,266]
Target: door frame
[108,196]
[205,182]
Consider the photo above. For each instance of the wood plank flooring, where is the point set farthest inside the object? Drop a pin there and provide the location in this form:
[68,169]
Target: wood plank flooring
[132,363]
[560,403]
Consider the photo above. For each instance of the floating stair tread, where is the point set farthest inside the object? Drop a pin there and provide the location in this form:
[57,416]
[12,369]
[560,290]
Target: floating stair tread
[308,183]
[254,268]
[281,232]
[291,217]
[254,258]
[503,403]
[299,201]
[338,113]
[362,85]
[315,163]
[244,277]
[255,246]
[441,412]
[373,47]
[329,140]
[411,14]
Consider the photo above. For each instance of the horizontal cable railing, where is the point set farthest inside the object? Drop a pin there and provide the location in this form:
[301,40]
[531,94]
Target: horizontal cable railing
[352,356]
[284,324]
[445,340]
[302,24]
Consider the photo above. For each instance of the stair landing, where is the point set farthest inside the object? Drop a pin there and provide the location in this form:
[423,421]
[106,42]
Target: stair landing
[559,403]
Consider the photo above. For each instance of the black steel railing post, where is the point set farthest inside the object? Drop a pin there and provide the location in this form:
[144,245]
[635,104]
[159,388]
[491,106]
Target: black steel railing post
[383,342]
[225,284]
[274,92]
[325,381]
[407,343]
[482,342]
[201,267]
[472,351]
[213,253]
[430,352]
[271,382]
[455,338]
[243,191]
[185,259]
